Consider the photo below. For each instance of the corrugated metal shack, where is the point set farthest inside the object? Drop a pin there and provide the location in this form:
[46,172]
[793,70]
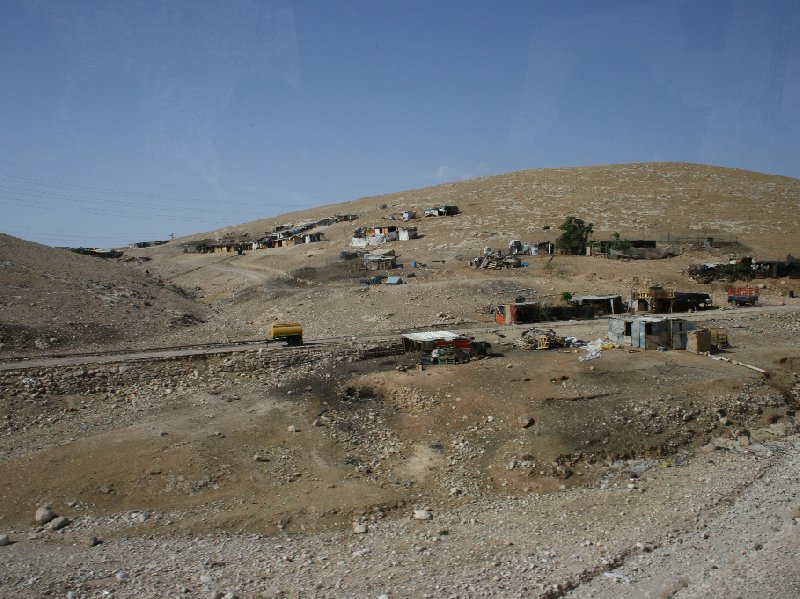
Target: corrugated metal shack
[656,300]
[651,332]
[530,312]
[601,304]
[379,261]
[438,347]
[443,210]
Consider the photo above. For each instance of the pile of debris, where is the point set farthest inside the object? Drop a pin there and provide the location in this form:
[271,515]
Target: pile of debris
[496,259]
[541,339]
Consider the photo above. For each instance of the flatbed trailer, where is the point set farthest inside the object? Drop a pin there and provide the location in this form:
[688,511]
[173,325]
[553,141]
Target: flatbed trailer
[743,296]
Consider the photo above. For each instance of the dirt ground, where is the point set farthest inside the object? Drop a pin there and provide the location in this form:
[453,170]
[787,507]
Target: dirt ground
[528,473]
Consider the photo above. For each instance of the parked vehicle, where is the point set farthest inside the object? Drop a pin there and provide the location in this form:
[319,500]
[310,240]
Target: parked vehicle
[290,332]
[742,296]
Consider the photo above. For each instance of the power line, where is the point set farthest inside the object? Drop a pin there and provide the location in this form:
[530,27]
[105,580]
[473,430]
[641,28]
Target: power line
[114,180]
[187,200]
[142,215]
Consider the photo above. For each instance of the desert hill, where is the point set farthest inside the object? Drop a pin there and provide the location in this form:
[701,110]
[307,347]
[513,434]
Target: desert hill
[751,212]
[641,201]
[54,300]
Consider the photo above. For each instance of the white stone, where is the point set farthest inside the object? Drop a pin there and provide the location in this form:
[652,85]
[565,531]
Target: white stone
[44,514]
[59,522]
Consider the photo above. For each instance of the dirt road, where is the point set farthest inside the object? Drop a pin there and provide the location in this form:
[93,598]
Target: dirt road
[597,327]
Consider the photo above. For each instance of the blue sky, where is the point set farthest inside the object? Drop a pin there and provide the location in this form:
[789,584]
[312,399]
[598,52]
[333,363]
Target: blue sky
[132,120]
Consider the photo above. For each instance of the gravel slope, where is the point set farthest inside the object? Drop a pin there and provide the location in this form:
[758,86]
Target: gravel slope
[718,523]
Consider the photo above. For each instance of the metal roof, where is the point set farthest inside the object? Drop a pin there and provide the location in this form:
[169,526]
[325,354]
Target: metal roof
[579,298]
[433,336]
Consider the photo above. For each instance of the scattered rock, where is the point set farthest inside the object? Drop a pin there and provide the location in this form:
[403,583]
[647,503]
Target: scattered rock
[293,429]
[45,514]
[360,529]
[526,421]
[4,540]
[59,522]
[422,515]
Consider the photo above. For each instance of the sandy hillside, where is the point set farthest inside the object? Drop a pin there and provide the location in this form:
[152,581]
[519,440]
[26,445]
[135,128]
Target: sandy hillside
[54,300]
[310,283]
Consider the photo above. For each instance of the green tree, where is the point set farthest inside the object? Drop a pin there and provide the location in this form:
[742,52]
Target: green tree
[575,235]
[617,243]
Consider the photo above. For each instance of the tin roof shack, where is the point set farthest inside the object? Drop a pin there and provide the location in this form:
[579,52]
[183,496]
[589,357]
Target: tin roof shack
[651,332]
[771,269]
[531,312]
[312,237]
[619,330]
[443,210]
[601,304]
[520,313]
[406,233]
[217,247]
[691,302]
[543,248]
[636,249]
[97,252]
[367,236]
[442,347]
[408,215]
[737,269]
[655,300]
[379,261]
[196,247]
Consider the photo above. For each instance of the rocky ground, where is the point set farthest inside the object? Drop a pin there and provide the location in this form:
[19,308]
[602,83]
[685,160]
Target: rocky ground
[721,521]
[525,474]
[312,472]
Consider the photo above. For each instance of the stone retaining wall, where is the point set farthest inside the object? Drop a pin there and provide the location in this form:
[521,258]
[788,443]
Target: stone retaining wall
[108,377]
